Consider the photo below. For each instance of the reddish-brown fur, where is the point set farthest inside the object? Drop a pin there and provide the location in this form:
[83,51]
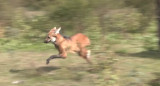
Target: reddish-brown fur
[76,43]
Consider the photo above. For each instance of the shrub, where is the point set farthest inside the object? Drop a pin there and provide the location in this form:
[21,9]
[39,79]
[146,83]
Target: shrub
[123,20]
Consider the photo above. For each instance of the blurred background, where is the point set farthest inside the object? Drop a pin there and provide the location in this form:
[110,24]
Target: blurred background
[123,33]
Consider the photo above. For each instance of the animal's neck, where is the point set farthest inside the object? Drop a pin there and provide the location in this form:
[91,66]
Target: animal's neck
[59,39]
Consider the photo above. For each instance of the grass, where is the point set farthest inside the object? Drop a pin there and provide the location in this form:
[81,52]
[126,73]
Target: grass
[122,64]
[137,71]
[29,69]
[23,45]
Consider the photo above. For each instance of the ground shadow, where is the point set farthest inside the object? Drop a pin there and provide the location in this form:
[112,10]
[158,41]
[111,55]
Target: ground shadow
[33,72]
[155,54]
[156,81]
[45,69]
[148,54]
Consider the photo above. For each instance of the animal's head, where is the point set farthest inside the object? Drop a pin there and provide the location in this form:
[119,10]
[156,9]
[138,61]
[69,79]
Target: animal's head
[52,35]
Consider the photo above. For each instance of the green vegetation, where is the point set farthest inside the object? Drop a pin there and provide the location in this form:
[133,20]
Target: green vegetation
[123,34]
[112,69]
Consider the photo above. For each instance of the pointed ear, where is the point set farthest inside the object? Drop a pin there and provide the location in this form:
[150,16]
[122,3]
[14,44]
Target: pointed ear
[54,28]
[58,30]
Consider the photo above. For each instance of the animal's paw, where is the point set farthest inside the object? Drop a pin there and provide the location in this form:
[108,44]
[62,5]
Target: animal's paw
[47,61]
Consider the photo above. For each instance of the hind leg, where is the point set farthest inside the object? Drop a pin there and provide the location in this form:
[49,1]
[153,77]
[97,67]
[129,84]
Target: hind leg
[85,54]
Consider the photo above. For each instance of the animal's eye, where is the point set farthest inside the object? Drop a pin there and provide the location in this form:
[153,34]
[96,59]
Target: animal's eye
[48,37]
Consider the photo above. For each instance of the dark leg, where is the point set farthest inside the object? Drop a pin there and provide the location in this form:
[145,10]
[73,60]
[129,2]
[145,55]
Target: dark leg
[52,57]
[64,55]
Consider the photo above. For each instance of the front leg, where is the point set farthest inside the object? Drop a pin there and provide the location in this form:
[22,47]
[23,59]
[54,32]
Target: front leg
[63,55]
[52,57]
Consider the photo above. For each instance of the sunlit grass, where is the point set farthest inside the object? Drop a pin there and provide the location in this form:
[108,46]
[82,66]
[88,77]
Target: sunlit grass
[124,62]
[29,68]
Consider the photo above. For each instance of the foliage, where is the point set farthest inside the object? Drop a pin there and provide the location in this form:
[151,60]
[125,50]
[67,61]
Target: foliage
[122,26]
[125,20]
[93,30]
[150,42]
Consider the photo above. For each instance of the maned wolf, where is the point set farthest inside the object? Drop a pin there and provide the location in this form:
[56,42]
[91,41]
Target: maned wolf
[76,43]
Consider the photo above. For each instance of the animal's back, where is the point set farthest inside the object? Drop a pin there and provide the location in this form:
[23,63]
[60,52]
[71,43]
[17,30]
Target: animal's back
[81,39]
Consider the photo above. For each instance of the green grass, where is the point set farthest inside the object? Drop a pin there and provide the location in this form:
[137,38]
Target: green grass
[137,70]
[125,62]
[24,45]
[112,70]
[31,70]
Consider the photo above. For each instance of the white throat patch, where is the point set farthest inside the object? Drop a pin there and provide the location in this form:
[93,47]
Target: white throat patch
[53,39]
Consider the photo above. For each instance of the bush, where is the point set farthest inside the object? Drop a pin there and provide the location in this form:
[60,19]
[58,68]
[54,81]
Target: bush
[93,30]
[123,20]
[150,42]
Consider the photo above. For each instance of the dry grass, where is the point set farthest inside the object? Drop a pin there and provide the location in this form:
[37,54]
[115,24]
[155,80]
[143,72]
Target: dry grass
[29,69]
